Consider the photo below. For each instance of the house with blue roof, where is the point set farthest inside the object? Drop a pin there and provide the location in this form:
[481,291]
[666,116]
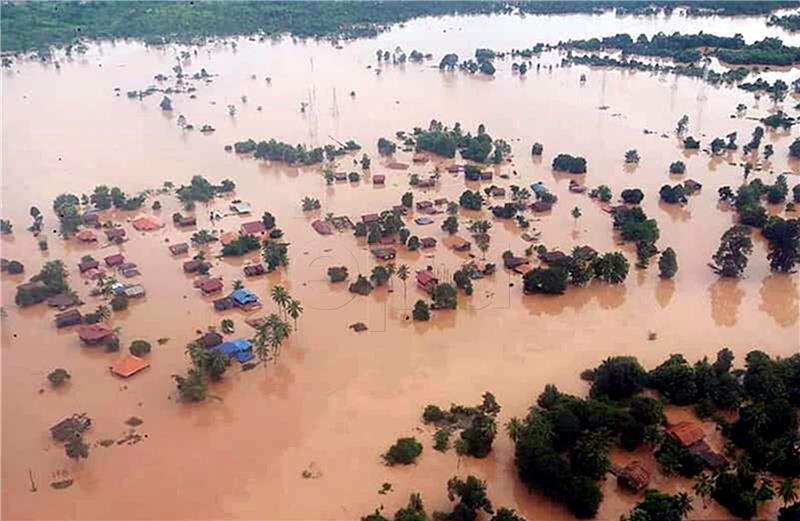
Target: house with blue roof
[244,297]
[241,348]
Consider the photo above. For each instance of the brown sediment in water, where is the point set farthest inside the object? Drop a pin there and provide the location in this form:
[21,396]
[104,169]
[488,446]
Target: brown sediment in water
[336,398]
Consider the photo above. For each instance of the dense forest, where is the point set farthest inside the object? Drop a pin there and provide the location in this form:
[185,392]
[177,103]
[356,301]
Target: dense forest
[37,25]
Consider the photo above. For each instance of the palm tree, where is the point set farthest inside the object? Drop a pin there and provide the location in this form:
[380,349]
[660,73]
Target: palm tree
[281,297]
[103,312]
[279,332]
[684,504]
[787,491]
[262,341]
[704,486]
[295,310]
[403,272]
[198,355]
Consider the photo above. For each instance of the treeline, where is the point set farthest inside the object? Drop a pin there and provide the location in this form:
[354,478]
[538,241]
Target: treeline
[38,25]
[689,48]
[790,22]
[273,150]
[690,70]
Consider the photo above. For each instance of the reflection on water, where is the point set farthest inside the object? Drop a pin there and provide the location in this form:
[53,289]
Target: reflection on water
[779,299]
[726,297]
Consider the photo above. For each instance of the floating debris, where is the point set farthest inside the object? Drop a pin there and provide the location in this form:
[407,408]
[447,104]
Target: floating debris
[64,483]
[358,327]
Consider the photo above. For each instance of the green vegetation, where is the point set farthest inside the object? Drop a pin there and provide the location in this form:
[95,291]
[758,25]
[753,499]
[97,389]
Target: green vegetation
[337,273]
[206,365]
[568,163]
[632,195]
[241,245]
[477,425]
[550,281]
[403,452]
[6,227]
[444,141]
[67,209]
[673,194]
[51,280]
[140,347]
[421,311]
[275,255]
[200,189]
[730,260]
[634,225]
[445,296]
[386,147]
[677,167]
[783,236]
[668,264]
[658,506]
[58,377]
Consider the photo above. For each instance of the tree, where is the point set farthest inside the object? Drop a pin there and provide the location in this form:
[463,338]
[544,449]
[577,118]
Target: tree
[784,243]
[568,163]
[386,147]
[472,498]
[618,377]
[76,448]
[787,491]
[658,506]
[140,348]
[507,514]
[379,276]
[280,297]
[704,487]
[683,125]
[677,167]
[294,309]
[119,303]
[337,273]
[576,214]
[268,220]
[589,455]
[310,204]
[403,452]
[166,104]
[15,267]
[413,243]
[407,200]
[550,281]
[58,377]
[275,254]
[794,149]
[471,200]
[730,260]
[611,268]
[691,143]
[477,437]
[602,192]
[537,149]
[365,162]
[445,296]
[450,224]
[632,157]
[403,272]
[668,264]
[632,195]
[421,311]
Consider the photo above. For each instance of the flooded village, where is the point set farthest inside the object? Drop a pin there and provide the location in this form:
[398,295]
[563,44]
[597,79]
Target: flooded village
[477,265]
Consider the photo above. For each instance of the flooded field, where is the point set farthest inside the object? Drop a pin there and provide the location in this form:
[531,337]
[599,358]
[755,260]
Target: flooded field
[335,399]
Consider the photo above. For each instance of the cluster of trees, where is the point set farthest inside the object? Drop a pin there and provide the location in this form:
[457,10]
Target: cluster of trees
[439,139]
[471,200]
[200,189]
[577,269]
[51,280]
[675,194]
[658,506]
[273,150]
[103,198]
[403,452]
[275,254]
[691,70]
[207,365]
[477,426]
[242,245]
[568,163]
[67,209]
[386,147]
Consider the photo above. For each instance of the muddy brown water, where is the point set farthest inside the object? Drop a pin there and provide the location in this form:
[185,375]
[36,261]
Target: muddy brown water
[336,400]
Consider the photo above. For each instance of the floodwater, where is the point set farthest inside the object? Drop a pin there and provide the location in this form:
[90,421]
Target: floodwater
[335,400]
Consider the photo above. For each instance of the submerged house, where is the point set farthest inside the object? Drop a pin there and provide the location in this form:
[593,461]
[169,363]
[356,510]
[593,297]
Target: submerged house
[210,285]
[68,318]
[75,424]
[322,227]
[179,249]
[456,243]
[94,334]
[241,348]
[192,266]
[129,365]
[384,254]
[378,179]
[254,270]
[427,281]
[427,242]
[114,260]
[87,264]
[224,304]
[240,207]
[244,298]
[253,228]
[634,477]
[685,433]
[712,460]
[115,234]
[211,339]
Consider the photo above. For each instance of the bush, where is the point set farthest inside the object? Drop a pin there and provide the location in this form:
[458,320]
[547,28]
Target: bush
[632,196]
[432,413]
[691,143]
[15,267]
[337,273]
[386,147]
[678,167]
[537,149]
[112,344]
[404,452]
[445,296]
[611,268]
[421,312]
[139,348]
[58,377]
[618,377]
[119,303]
[673,194]
[668,264]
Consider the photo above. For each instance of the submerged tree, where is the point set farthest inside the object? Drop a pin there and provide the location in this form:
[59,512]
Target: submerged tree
[730,260]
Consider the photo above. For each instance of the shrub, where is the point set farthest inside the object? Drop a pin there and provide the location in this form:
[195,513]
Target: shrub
[568,163]
[668,264]
[678,167]
[445,296]
[632,196]
[337,273]
[421,312]
[537,149]
[58,377]
[403,452]
[432,413]
[139,348]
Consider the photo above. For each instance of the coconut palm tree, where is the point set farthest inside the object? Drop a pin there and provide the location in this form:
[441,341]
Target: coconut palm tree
[787,491]
[280,297]
[703,487]
[279,331]
[294,309]
[103,312]
[403,271]
[262,341]
[684,504]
